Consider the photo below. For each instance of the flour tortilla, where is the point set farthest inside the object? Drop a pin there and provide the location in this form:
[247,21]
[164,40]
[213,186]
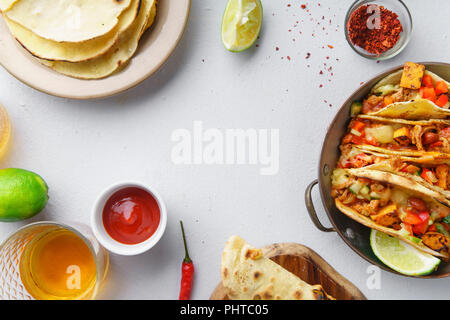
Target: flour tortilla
[73,51]
[68,20]
[417,108]
[116,56]
[433,157]
[6,4]
[249,277]
[386,166]
[398,180]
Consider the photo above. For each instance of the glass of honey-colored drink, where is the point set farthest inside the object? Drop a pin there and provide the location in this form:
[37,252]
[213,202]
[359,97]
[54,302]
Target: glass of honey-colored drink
[52,261]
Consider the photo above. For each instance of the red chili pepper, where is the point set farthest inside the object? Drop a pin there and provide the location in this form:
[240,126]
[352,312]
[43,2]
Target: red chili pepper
[187,272]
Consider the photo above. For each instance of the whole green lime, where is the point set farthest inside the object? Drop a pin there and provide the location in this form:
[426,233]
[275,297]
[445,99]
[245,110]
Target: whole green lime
[23,194]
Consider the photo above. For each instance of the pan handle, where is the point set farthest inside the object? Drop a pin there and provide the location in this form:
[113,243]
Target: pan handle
[312,211]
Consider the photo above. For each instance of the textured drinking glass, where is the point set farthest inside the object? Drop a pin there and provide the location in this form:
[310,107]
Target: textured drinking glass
[14,249]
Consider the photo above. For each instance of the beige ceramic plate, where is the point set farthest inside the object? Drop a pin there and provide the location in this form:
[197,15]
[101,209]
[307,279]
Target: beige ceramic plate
[154,49]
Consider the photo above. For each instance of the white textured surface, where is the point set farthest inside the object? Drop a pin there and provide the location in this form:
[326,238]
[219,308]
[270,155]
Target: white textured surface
[82,147]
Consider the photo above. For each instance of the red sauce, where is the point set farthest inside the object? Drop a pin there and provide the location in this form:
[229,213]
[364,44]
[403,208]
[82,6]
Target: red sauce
[131,215]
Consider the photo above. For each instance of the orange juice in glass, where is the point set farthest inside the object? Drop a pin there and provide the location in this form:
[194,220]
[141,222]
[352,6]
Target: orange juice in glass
[52,261]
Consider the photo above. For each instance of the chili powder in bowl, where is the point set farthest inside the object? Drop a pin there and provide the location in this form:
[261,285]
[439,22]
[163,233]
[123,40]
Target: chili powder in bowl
[378,30]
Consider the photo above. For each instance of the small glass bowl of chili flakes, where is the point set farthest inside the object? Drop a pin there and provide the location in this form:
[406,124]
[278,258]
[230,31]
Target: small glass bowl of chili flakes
[378,30]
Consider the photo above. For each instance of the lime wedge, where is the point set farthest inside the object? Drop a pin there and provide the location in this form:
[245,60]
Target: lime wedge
[241,24]
[401,256]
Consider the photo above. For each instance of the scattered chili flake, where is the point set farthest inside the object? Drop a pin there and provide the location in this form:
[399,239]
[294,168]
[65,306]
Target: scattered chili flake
[374,35]
[308,54]
[320,86]
[303,6]
[277,49]
[330,46]
[321,72]
[289,58]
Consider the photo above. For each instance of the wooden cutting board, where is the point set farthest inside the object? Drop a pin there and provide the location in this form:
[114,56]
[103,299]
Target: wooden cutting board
[308,266]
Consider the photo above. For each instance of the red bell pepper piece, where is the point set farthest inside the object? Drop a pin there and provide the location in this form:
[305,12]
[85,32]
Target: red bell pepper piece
[357,140]
[428,175]
[436,144]
[445,132]
[412,218]
[428,93]
[441,87]
[424,216]
[427,81]
[358,126]
[409,168]
[422,227]
[432,228]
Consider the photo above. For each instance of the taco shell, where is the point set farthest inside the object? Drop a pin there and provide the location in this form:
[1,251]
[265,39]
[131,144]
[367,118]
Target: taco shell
[422,158]
[394,233]
[417,108]
[387,167]
[401,181]
[411,187]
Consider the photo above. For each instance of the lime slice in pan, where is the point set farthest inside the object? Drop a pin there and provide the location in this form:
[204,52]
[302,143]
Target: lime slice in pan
[401,256]
[241,24]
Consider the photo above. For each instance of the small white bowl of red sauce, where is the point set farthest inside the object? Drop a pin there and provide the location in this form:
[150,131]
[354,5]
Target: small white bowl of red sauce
[129,218]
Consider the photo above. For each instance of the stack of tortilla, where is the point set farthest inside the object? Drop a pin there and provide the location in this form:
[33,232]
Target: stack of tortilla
[80,38]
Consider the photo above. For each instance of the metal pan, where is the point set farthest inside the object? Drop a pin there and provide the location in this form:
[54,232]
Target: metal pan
[354,234]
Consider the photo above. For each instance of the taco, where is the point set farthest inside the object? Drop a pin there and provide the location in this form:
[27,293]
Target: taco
[411,93]
[394,205]
[425,140]
[431,174]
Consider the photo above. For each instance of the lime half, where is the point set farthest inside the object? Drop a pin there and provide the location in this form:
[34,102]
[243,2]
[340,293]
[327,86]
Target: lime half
[241,24]
[401,256]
